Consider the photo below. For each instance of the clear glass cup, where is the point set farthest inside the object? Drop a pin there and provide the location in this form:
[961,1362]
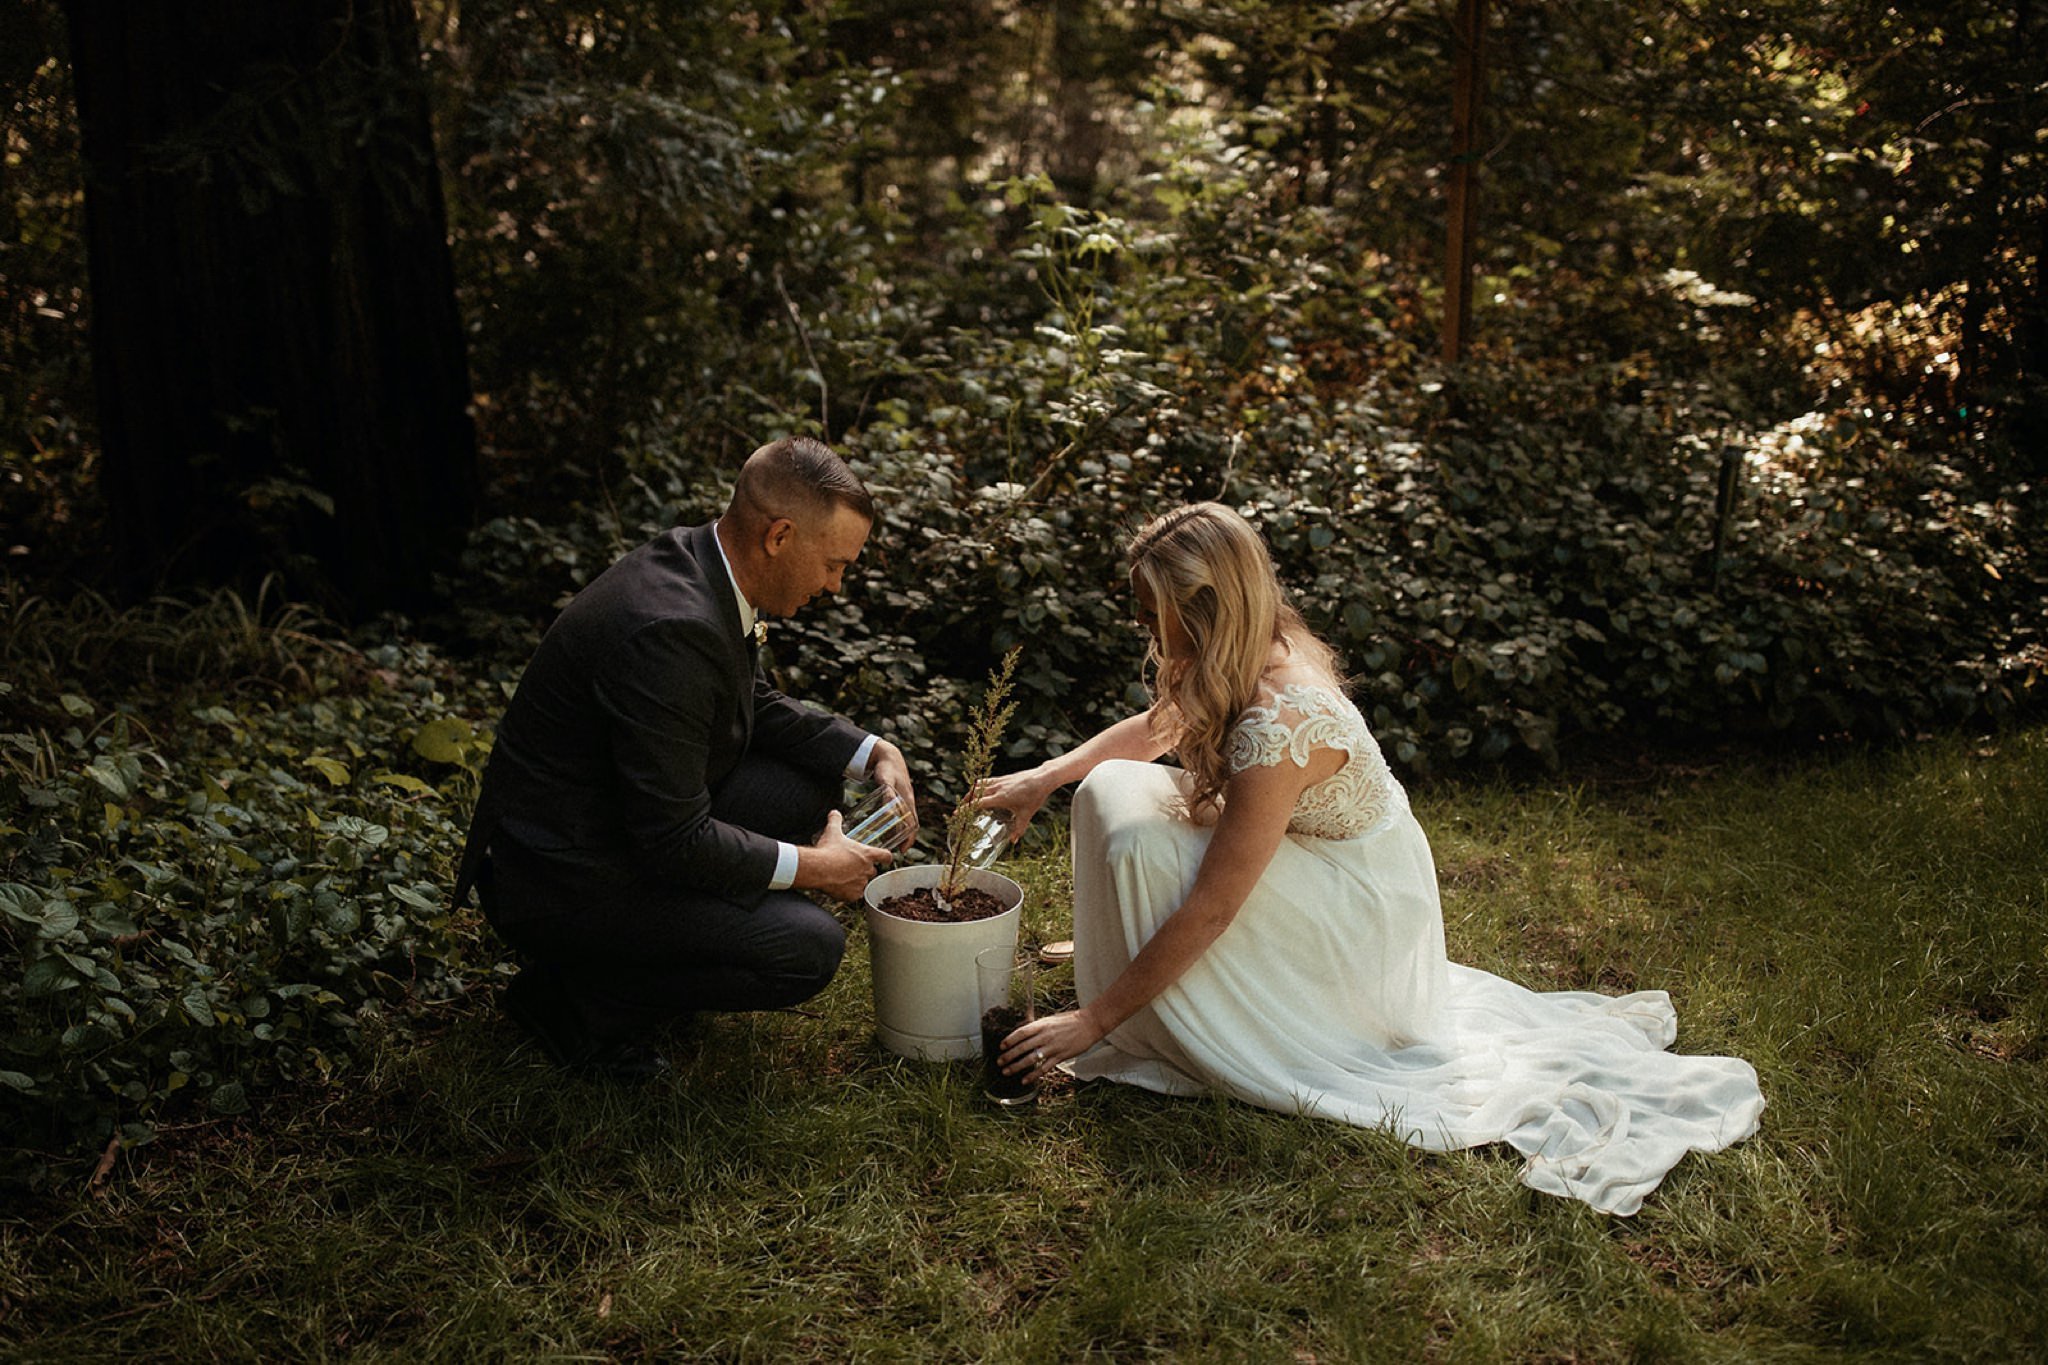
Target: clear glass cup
[882,819]
[988,838]
[1008,978]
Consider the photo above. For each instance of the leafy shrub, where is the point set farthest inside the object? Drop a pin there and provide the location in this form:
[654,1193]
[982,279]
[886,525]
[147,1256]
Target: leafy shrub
[1551,542]
[1571,538]
[1564,540]
[204,893]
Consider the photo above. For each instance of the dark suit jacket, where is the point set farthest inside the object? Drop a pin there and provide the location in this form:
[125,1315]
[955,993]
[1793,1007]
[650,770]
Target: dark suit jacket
[642,697]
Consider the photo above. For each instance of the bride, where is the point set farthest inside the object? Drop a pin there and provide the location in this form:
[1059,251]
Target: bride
[1263,919]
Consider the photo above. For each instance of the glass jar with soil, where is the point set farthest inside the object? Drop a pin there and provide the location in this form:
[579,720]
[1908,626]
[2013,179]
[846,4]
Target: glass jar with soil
[1008,979]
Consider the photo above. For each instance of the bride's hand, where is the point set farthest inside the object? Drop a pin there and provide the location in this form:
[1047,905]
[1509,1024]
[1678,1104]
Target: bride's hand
[1020,794]
[1032,1050]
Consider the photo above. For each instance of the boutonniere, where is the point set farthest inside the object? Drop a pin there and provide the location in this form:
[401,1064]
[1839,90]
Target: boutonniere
[760,631]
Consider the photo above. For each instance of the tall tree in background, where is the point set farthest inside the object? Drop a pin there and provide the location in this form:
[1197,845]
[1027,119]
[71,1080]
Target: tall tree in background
[1461,213]
[279,361]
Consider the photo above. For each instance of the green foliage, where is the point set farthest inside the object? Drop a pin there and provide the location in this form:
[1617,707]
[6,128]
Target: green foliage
[213,888]
[621,184]
[1568,540]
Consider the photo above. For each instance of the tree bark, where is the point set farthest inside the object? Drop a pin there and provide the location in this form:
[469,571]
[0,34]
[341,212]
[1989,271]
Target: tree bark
[282,377]
[1075,153]
[1462,210]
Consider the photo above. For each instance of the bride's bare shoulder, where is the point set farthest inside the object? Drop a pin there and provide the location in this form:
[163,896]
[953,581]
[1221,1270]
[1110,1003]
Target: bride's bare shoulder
[1280,676]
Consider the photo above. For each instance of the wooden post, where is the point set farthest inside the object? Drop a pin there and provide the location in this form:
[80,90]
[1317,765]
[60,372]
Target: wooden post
[1462,213]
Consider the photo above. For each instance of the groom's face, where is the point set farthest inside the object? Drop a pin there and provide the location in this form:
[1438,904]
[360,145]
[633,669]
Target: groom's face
[812,557]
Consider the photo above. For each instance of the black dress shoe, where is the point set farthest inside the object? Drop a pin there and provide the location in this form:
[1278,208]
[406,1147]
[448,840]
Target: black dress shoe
[537,1003]
[632,1063]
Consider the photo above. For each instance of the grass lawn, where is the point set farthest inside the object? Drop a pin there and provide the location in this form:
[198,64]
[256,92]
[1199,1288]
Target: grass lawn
[1868,931]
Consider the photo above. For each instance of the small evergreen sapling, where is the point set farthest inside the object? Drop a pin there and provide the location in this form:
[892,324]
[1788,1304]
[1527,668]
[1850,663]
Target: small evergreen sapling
[984,732]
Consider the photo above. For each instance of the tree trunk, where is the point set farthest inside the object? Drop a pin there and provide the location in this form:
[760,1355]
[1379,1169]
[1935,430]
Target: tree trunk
[282,378]
[1075,154]
[1462,210]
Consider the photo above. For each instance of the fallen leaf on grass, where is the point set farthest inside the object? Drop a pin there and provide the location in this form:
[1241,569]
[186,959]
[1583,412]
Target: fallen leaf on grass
[105,1166]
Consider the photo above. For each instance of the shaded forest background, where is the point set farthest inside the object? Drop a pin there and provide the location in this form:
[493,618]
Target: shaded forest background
[1748,435]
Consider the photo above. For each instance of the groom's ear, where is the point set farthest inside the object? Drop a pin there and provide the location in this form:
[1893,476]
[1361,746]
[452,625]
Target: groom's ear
[777,535]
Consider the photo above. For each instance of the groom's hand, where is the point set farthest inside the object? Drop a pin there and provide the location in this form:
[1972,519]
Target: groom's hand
[836,864]
[887,766]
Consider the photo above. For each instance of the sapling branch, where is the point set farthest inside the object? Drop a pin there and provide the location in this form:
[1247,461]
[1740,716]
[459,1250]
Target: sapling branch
[984,732]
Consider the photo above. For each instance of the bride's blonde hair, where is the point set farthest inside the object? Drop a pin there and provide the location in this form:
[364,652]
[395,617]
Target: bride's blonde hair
[1206,565]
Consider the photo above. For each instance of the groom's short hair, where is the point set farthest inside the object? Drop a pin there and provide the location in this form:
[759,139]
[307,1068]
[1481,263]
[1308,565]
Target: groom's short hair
[798,473]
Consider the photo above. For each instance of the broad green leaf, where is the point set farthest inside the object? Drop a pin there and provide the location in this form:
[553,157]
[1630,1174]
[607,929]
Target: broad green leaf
[444,740]
[15,1080]
[405,782]
[334,771]
[229,1099]
[75,705]
[413,898]
[24,903]
[107,773]
[198,1006]
[83,1037]
[59,918]
[112,921]
[152,873]
[355,829]
[47,976]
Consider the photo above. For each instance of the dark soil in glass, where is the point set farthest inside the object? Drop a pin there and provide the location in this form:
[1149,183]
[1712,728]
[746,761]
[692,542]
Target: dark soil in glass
[996,1025]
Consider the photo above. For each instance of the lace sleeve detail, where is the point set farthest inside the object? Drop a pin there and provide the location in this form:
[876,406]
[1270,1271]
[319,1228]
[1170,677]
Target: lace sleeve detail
[1282,730]
[1292,725]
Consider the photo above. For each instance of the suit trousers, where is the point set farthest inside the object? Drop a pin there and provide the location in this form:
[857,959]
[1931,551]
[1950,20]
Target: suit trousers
[630,957]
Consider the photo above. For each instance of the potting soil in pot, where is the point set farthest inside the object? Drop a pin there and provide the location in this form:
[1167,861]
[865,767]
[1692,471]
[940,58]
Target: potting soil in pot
[922,905]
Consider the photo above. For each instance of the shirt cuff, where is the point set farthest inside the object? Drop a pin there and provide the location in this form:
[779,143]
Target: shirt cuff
[858,766]
[785,867]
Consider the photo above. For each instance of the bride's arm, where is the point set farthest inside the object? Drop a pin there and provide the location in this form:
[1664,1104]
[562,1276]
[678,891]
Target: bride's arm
[1257,805]
[1022,793]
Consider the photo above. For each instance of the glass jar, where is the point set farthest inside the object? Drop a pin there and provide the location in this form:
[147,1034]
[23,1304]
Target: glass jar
[988,838]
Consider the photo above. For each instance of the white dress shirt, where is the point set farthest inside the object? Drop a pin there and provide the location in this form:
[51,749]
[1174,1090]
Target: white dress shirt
[785,853]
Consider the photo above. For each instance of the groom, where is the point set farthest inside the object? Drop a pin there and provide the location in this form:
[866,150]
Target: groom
[652,807]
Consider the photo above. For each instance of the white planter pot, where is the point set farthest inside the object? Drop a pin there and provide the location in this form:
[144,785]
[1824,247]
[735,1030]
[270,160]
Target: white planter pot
[927,1000]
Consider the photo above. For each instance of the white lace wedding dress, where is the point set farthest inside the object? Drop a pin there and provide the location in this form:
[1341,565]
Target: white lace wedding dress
[1330,993]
